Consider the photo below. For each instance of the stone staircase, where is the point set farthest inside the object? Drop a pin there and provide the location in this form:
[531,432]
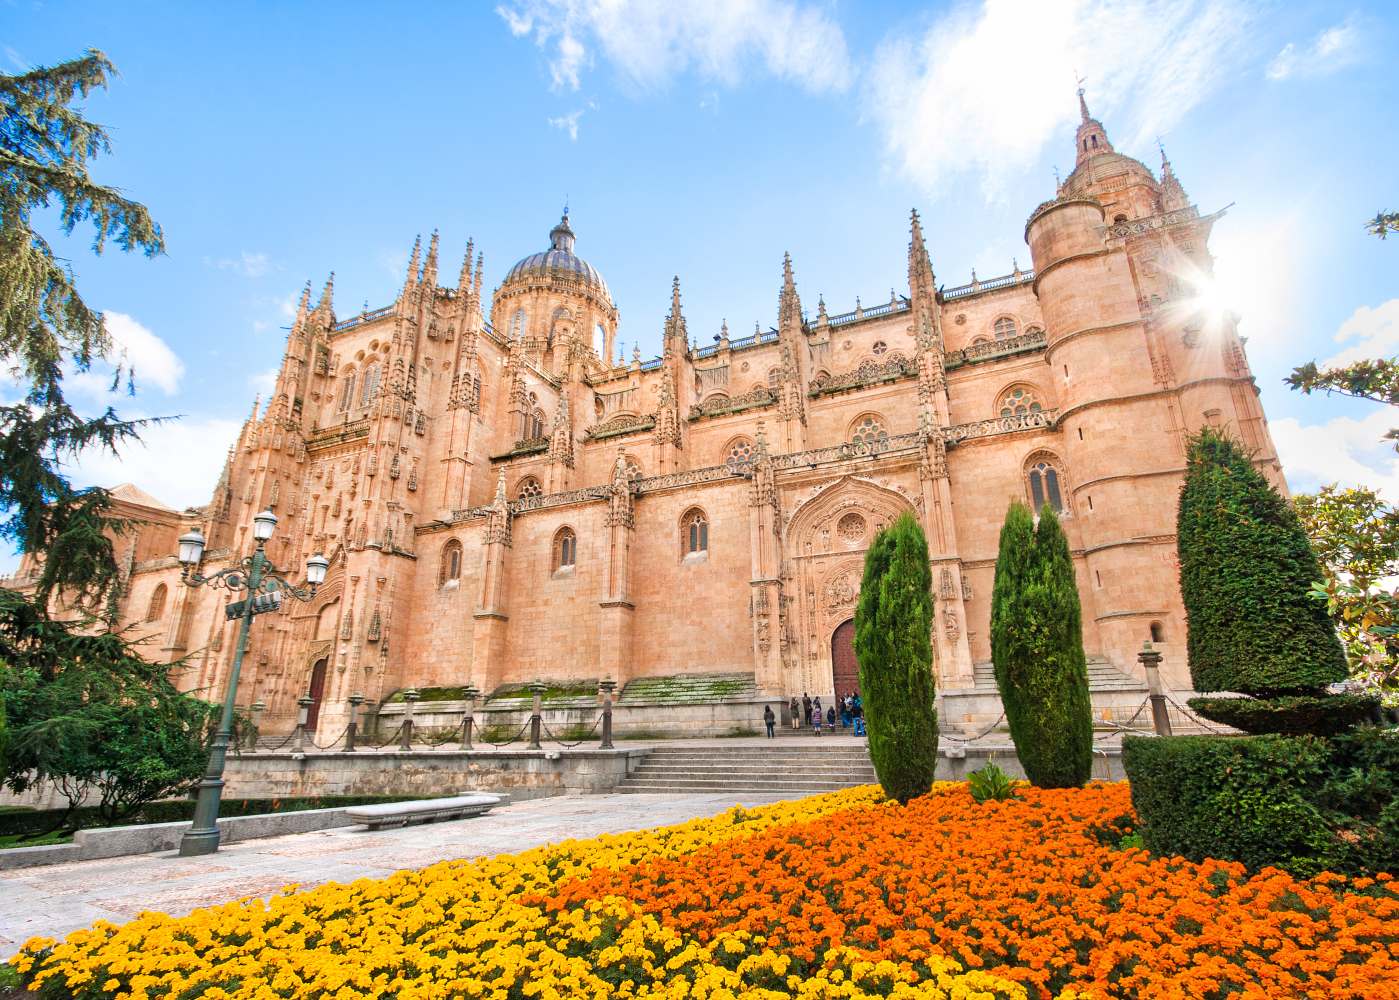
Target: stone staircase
[1102,676]
[773,770]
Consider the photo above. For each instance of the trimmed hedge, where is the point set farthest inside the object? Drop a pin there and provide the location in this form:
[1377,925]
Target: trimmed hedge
[1300,803]
[1246,569]
[1037,651]
[1319,714]
[893,629]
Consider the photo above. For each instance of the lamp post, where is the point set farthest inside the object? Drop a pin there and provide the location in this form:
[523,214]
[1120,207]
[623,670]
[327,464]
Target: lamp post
[264,585]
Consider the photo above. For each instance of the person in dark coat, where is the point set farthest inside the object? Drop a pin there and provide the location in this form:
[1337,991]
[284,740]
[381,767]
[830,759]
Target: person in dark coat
[796,713]
[831,717]
[769,720]
[806,707]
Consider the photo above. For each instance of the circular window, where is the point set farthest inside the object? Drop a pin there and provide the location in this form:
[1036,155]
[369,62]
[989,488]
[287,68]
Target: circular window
[1019,403]
[851,527]
[869,433]
[740,452]
[879,347]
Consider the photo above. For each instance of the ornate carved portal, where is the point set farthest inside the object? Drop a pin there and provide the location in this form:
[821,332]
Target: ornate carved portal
[826,541]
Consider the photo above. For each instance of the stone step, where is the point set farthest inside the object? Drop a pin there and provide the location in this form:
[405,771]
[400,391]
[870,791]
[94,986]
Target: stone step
[861,774]
[700,785]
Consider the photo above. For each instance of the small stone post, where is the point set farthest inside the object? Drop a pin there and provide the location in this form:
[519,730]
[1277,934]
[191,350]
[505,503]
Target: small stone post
[410,698]
[351,731]
[302,714]
[470,692]
[255,729]
[536,720]
[608,686]
[1150,660]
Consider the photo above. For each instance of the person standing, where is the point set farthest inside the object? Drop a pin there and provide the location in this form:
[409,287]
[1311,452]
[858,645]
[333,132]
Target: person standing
[769,720]
[806,708]
[816,714]
[796,710]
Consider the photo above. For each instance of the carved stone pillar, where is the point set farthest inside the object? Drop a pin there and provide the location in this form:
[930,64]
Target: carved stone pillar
[615,620]
[491,617]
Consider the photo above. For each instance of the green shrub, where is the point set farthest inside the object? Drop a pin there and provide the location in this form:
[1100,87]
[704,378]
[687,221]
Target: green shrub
[990,782]
[1037,650]
[1246,569]
[893,628]
[1301,803]
[1295,714]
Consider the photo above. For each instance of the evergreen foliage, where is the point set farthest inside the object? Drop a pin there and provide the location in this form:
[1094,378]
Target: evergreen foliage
[1246,572]
[93,719]
[46,327]
[1037,650]
[893,629]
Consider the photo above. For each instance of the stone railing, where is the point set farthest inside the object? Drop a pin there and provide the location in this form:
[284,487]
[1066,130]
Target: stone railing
[690,477]
[717,406]
[547,500]
[1137,227]
[624,423]
[1041,420]
[989,285]
[350,431]
[859,313]
[894,444]
[993,349]
[763,337]
[867,373]
[364,317]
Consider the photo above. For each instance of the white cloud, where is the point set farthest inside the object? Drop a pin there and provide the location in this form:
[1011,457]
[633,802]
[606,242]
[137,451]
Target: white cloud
[568,123]
[1344,450]
[982,90]
[178,461]
[264,383]
[1334,48]
[140,353]
[249,265]
[1368,333]
[648,43]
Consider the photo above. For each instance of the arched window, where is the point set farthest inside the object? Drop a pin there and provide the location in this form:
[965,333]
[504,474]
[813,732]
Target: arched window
[633,469]
[347,390]
[534,424]
[1020,401]
[694,532]
[981,340]
[600,343]
[369,384]
[1158,633]
[528,487]
[739,452]
[156,609]
[1004,328]
[1034,331]
[869,432]
[565,549]
[450,570]
[1043,476]
[774,377]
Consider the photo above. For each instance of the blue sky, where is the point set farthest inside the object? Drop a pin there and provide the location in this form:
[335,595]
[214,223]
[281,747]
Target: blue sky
[278,142]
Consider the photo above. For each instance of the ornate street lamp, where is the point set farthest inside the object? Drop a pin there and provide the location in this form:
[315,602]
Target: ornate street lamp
[265,586]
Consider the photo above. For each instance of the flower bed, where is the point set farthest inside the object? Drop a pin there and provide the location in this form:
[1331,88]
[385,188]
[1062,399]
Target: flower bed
[839,895]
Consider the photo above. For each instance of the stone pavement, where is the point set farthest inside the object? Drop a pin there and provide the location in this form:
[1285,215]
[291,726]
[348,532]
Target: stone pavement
[56,899]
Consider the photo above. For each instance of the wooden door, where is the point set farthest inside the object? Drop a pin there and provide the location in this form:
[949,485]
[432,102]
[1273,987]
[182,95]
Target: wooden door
[845,669]
[316,688]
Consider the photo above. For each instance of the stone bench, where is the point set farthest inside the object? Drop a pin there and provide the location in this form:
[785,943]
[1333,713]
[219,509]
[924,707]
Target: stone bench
[422,810]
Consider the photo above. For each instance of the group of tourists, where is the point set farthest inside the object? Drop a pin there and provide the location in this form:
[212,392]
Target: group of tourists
[848,711]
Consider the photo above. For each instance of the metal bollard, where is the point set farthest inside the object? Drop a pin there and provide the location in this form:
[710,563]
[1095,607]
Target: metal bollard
[536,720]
[1150,660]
[352,730]
[471,692]
[410,698]
[607,686]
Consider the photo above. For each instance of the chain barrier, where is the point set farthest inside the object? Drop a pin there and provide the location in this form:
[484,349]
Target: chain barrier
[330,744]
[591,729]
[277,746]
[1119,729]
[520,732]
[450,735]
[973,739]
[392,739]
[1197,720]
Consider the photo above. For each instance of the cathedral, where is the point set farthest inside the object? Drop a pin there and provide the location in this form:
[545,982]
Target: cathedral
[505,498]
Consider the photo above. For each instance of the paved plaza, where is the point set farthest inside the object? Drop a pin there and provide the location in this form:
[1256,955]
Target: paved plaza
[56,899]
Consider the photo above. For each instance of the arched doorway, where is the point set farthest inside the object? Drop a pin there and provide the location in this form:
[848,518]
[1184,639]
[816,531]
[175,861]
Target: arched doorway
[845,669]
[315,689]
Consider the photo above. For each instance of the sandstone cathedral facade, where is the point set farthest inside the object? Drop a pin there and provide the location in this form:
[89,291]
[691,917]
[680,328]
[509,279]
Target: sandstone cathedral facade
[503,498]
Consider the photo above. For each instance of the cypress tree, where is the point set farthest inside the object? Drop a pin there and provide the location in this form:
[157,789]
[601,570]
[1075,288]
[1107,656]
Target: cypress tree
[893,643]
[1037,650]
[1246,571]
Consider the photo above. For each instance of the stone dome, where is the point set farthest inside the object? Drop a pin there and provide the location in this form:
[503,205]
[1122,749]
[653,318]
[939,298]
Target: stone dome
[559,262]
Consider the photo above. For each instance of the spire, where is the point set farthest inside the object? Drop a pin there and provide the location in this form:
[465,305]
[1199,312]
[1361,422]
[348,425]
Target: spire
[464,279]
[303,307]
[429,276]
[326,304]
[676,337]
[1173,195]
[480,269]
[561,236]
[413,260]
[1091,138]
[920,265]
[789,304]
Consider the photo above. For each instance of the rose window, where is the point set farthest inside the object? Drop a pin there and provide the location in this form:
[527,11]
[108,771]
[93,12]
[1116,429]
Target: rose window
[851,527]
[529,487]
[1020,402]
[740,452]
[869,433]
[879,348]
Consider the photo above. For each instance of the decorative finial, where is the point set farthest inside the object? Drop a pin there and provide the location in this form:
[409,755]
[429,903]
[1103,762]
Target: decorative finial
[1082,104]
